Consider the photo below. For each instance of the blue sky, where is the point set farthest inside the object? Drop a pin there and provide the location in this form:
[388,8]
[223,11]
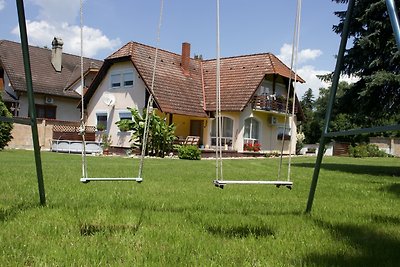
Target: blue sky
[247,27]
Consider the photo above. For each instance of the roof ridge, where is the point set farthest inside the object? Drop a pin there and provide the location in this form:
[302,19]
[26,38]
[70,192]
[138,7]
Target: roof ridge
[240,56]
[272,63]
[47,49]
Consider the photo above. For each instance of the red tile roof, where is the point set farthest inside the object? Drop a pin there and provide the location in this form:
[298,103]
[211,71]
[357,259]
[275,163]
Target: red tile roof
[180,94]
[44,77]
[240,78]
[174,92]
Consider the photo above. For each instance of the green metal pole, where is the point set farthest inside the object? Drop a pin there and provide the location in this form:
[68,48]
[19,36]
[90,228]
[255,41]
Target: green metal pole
[394,20]
[332,95]
[32,111]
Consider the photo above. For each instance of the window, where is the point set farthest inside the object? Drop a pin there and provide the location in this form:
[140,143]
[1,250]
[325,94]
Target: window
[101,121]
[251,131]
[115,80]
[227,132]
[46,111]
[125,79]
[128,79]
[125,115]
[283,132]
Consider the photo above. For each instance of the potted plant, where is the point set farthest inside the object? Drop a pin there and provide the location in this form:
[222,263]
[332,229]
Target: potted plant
[100,127]
[106,143]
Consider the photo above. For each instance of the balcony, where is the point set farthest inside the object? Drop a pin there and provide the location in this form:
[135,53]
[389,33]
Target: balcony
[267,103]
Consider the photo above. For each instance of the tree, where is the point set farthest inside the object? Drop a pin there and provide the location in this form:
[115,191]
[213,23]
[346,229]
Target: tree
[5,127]
[308,125]
[375,59]
[160,134]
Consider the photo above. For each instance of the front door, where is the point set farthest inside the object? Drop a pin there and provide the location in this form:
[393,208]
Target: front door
[196,129]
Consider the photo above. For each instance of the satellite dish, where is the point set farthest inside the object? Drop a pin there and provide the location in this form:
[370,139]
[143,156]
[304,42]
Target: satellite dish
[109,99]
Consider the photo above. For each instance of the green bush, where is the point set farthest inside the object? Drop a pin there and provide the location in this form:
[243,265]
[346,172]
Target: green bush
[5,127]
[189,152]
[366,150]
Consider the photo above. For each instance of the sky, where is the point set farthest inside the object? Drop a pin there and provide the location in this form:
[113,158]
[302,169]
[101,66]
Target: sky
[246,27]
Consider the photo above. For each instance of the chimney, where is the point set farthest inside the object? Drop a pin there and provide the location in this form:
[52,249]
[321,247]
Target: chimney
[185,58]
[56,53]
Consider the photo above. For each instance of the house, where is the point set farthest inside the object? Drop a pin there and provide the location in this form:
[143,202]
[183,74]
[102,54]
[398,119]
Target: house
[55,78]
[253,96]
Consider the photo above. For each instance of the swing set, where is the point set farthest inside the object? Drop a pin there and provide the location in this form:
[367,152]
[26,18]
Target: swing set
[219,181]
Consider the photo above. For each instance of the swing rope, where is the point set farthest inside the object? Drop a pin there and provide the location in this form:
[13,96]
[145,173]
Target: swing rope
[218,117]
[219,182]
[293,65]
[82,124]
[149,107]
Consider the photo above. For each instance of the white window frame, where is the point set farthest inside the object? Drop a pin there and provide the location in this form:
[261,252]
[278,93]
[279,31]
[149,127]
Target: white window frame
[123,77]
[102,113]
[124,80]
[280,130]
[112,81]
[125,112]
[251,139]
[225,140]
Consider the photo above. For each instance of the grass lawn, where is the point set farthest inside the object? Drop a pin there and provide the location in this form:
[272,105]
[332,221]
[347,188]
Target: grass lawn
[176,217]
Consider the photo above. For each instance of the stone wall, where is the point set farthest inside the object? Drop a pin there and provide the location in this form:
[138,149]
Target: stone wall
[22,134]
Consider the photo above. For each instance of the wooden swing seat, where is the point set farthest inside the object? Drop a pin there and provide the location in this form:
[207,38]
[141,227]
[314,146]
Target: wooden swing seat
[222,183]
[105,179]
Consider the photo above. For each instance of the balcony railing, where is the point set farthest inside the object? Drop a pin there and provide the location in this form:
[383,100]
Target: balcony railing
[268,104]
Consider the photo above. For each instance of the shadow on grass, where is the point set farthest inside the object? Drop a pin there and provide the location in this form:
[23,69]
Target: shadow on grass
[242,231]
[92,229]
[373,248]
[356,169]
[385,219]
[393,189]
[7,214]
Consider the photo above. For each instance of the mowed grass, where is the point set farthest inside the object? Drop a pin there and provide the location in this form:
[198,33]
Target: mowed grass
[176,217]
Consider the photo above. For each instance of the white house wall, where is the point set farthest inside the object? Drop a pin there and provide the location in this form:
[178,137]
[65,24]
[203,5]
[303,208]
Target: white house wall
[132,97]
[66,110]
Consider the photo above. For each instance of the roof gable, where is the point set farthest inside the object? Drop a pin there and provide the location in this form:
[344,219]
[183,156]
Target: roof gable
[174,92]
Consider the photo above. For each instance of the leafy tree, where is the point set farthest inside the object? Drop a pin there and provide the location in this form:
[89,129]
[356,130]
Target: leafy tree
[5,127]
[160,134]
[375,59]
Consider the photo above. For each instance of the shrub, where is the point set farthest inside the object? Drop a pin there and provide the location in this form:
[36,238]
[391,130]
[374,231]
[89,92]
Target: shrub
[189,152]
[161,135]
[366,150]
[5,127]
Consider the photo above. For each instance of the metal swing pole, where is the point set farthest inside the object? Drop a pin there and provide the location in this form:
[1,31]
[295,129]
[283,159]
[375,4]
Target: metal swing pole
[394,20]
[335,82]
[32,110]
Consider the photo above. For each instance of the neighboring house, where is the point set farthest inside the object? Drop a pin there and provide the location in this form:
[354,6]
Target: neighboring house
[253,96]
[55,78]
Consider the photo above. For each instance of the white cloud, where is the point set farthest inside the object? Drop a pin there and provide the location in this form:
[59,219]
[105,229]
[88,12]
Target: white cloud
[303,55]
[57,19]
[41,33]
[58,11]
[2,4]
[309,74]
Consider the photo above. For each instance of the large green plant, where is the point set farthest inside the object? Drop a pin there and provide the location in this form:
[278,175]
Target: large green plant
[5,127]
[160,134]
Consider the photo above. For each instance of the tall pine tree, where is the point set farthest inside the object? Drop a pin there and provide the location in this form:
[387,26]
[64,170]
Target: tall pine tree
[375,59]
